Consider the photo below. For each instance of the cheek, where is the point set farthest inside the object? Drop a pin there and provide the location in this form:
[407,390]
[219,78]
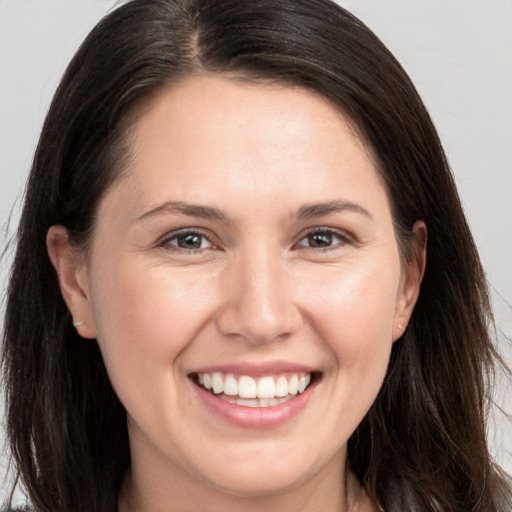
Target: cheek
[355,320]
[145,317]
[353,311]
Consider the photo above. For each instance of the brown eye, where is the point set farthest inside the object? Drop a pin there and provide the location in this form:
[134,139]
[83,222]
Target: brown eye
[188,241]
[323,239]
[319,239]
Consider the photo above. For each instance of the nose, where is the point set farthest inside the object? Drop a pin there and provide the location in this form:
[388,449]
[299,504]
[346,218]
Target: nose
[259,304]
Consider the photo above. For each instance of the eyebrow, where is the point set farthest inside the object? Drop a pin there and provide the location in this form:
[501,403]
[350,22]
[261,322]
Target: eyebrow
[309,211]
[192,210]
[313,210]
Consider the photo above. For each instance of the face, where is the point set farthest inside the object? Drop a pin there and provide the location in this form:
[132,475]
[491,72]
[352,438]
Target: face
[244,285]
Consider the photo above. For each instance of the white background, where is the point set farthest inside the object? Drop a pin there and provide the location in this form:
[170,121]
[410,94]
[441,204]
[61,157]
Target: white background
[458,53]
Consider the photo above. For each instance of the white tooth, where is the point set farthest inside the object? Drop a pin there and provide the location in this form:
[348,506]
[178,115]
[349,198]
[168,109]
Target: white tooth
[273,401]
[200,378]
[266,388]
[308,379]
[230,385]
[247,403]
[264,402]
[293,385]
[281,386]
[302,384]
[246,387]
[217,383]
[207,381]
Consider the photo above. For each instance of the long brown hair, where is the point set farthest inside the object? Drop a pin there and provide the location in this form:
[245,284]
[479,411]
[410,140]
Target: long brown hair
[422,445]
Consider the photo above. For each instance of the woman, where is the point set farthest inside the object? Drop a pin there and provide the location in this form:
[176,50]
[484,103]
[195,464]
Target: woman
[231,302]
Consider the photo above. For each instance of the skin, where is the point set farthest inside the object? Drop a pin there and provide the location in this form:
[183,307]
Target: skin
[256,290]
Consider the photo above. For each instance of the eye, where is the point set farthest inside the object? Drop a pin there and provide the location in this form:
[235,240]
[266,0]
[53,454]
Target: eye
[188,241]
[323,238]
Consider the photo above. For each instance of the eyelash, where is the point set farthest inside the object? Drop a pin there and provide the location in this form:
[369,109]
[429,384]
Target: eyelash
[344,238]
[166,243]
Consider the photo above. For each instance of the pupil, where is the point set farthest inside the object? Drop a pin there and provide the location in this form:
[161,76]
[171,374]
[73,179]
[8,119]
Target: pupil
[320,239]
[190,241]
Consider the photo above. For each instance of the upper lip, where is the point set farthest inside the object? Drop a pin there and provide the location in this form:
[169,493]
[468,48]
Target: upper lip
[256,369]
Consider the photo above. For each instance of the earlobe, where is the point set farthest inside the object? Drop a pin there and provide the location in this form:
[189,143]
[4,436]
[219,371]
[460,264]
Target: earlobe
[411,281]
[73,280]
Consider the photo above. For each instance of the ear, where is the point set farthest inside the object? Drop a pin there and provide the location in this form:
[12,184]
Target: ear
[412,275]
[73,279]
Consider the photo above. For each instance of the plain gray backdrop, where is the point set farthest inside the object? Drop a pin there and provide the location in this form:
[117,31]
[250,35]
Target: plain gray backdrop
[458,53]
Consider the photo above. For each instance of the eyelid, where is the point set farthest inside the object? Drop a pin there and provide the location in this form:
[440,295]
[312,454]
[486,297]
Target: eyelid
[164,241]
[343,235]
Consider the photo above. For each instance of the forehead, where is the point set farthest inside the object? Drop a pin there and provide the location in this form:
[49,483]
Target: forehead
[210,136]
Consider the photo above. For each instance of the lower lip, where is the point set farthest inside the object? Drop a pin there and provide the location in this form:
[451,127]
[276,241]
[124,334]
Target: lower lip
[254,417]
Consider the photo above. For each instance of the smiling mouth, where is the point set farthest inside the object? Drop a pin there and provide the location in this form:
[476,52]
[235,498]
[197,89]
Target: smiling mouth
[244,390]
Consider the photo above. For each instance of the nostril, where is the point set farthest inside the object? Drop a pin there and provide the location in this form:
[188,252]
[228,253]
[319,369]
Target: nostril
[261,325]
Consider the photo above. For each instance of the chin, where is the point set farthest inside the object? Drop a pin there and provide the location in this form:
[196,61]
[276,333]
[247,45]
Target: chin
[272,474]
[251,485]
